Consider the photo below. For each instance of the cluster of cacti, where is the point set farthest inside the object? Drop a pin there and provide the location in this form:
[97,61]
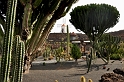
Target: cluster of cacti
[107,45]
[83,79]
[12,56]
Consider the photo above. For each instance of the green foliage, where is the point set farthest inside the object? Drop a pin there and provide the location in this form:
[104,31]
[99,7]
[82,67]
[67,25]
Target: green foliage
[121,49]
[118,54]
[115,57]
[94,19]
[108,45]
[75,52]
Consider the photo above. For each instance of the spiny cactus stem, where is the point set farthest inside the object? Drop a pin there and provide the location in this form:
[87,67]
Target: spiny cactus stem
[14,57]
[8,39]
[20,59]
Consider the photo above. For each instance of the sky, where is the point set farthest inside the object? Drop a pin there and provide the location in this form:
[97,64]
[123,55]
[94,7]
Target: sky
[65,20]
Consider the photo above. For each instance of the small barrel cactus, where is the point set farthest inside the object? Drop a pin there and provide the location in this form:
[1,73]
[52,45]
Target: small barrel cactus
[90,80]
[83,79]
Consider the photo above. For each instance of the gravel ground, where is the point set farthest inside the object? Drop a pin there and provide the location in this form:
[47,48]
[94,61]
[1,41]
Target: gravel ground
[67,71]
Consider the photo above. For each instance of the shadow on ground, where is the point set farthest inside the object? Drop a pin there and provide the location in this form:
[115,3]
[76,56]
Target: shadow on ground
[65,65]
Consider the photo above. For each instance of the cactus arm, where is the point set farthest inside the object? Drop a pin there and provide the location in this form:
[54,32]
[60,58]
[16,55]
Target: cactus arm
[68,8]
[27,16]
[8,38]
[23,2]
[41,23]
[17,60]
[2,21]
[26,24]
[46,32]
[37,3]
[1,32]
[14,57]
[20,63]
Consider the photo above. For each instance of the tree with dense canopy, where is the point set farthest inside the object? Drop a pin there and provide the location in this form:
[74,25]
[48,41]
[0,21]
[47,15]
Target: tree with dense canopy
[94,20]
[34,21]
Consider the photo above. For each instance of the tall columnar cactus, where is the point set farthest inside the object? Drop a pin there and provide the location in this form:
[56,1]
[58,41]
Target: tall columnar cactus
[17,60]
[19,63]
[8,39]
[14,57]
[68,41]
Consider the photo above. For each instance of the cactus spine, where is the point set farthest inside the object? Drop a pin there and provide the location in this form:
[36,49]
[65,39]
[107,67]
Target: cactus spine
[20,63]
[8,38]
[14,57]
[17,61]
[13,54]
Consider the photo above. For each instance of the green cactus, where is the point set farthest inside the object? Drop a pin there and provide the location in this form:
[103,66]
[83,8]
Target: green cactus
[13,52]
[14,57]
[68,41]
[8,39]
[108,44]
[17,60]
[20,63]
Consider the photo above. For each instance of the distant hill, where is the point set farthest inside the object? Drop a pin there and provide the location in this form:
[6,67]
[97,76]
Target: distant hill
[119,33]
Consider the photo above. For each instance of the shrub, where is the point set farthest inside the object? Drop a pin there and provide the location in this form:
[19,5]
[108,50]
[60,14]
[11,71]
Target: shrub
[75,52]
[115,57]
